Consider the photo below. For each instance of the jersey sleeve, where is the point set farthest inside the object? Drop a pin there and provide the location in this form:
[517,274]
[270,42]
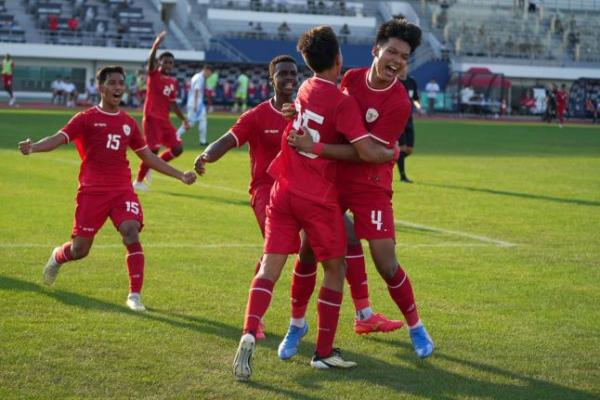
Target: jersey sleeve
[243,128]
[389,126]
[75,128]
[136,140]
[348,120]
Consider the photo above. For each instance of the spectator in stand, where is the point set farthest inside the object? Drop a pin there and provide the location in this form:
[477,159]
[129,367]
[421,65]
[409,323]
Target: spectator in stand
[73,24]
[70,92]
[52,26]
[211,90]
[58,91]
[91,92]
[432,88]
[88,19]
[283,30]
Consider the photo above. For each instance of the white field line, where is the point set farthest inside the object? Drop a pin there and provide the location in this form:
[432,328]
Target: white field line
[479,238]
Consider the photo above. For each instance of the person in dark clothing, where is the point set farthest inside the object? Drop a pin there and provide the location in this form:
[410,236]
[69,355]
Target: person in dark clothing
[407,139]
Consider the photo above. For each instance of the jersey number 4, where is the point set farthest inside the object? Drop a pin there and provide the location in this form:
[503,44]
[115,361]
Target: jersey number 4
[376,219]
[113,142]
[302,121]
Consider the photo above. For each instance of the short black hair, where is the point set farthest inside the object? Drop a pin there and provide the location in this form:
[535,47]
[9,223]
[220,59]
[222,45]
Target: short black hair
[277,60]
[399,28]
[319,48]
[102,73]
[166,54]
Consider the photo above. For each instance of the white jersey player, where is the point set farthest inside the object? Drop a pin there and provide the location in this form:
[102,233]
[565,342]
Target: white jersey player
[196,110]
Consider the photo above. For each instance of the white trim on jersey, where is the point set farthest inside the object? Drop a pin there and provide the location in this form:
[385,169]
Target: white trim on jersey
[106,112]
[237,140]
[379,139]
[360,137]
[141,148]
[66,135]
[378,90]
[271,100]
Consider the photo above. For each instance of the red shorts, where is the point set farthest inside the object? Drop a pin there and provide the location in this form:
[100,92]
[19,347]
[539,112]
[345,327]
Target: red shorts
[93,209]
[7,79]
[259,203]
[373,215]
[159,132]
[288,213]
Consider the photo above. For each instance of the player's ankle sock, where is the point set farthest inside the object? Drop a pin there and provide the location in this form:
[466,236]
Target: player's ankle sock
[259,299]
[167,155]
[328,310]
[402,293]
[304,280]
[416,325]
[356,275]
[63,254]
[299,322]
[364,313]
[142,172]
[135,267]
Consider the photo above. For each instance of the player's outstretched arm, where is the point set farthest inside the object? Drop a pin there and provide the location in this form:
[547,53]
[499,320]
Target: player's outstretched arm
[152,57]
[215,151]
[48,143]
[155,162]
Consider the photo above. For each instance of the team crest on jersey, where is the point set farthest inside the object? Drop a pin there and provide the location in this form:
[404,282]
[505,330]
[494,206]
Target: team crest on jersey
[126,130]
[371,115]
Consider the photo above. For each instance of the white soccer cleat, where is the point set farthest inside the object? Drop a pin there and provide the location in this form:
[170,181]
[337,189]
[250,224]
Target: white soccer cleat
[140,186]
[242,363]
[333,360]
[134,302]
[51,269]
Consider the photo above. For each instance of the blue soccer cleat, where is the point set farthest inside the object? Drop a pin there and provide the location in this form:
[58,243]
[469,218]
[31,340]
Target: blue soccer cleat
[289,345]
[421,341]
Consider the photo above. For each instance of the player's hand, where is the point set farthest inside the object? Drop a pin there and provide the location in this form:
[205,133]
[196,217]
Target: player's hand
[288,110]
[186,124]
[301,141]
[25,147]
[159,39]
[188,177]
[200,164]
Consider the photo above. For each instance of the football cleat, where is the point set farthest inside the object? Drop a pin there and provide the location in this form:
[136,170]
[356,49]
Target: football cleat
[260,332]
[376,323]
[242,363]
[333,360]
[140,186]
[288,347]
[421,341]
[51,269]
[134,302]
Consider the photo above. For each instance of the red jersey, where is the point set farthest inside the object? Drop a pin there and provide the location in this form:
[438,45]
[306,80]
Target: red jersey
[260,127]
[160,93]
[561,99]
[385,113]
[102,139]
[331,117]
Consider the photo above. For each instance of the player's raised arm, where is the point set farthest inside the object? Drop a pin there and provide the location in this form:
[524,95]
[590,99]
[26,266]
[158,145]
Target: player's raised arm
[362,150]
[48,143]
[152,57]
[155,162]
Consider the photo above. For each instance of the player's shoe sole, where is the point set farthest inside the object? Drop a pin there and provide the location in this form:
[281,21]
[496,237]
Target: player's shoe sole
[376,323]
[333,360]
[242,363]
[51,269]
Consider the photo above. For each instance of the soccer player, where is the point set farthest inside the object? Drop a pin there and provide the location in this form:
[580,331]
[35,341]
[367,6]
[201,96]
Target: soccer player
[407,139]
[102,134]
[161,97]
[562,97]
[366,189]
[304,197]
[241,92]
[8,67]
[196,110]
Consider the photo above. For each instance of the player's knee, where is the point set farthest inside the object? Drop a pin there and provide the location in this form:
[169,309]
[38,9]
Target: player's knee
[130,231]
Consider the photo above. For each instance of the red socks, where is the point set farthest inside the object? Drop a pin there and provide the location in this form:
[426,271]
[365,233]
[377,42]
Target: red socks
[63,254]
[328,309]
[135,267]
[259,298]
[356,275]
[402,293]
[303,285]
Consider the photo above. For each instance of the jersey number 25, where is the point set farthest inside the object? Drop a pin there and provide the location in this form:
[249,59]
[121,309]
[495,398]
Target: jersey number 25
[302,119]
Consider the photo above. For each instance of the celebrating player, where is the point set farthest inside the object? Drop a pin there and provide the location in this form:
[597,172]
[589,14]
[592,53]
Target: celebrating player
[196,110]
[304,196]
[161,97]
[102,134]
[366,189]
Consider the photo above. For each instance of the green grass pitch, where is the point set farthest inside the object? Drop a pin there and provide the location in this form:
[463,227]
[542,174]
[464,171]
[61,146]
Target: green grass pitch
[499,234]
